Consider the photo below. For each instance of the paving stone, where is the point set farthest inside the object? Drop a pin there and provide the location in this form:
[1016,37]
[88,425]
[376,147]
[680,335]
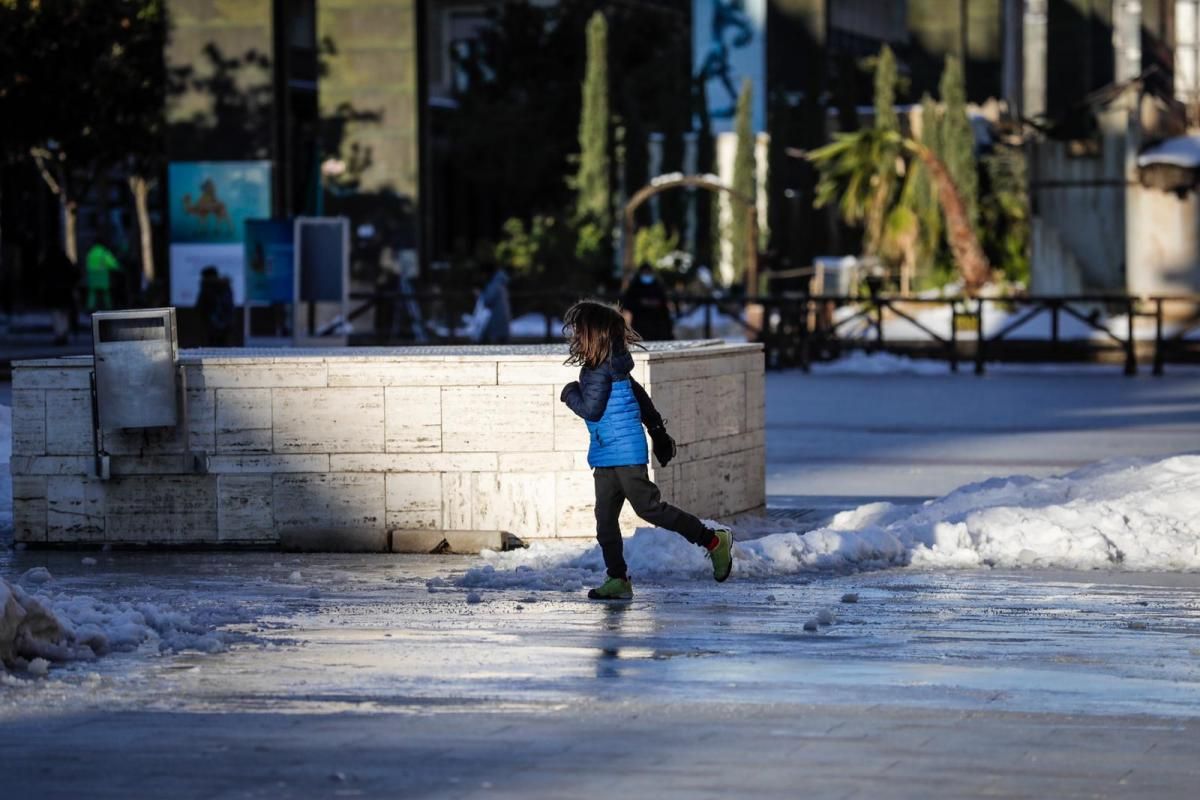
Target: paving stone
[244,510]
[522,503]
[51,377]
[498,419]
[414,462]
[74,509]
[414,500]
[413,373]
[311,462]
[341,420]
[243,375]
[29,508]
[243,421]
[29,422]
[333,501]
[414,419]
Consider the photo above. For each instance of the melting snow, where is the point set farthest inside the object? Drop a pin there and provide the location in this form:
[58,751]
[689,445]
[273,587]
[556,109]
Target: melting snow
[60,627]
[1132,514]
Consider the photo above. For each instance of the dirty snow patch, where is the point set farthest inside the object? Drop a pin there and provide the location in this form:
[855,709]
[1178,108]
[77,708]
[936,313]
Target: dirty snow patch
[62,627]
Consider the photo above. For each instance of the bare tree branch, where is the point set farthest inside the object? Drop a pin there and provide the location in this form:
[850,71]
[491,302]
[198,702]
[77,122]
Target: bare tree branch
[40,156]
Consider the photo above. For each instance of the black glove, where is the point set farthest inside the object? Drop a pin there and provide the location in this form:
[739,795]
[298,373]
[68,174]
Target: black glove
[664,445]
[562,396]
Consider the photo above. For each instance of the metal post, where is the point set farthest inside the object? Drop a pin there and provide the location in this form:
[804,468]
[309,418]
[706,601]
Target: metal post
[878,323]
[980,340]
[953,338]
[1158,337]
[708,318]
[1130,343]
[805,329]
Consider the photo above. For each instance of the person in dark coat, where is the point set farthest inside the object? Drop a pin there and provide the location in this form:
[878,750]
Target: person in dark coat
[62,278]
[495,299]
[215,304]
[646,306]
[614,408]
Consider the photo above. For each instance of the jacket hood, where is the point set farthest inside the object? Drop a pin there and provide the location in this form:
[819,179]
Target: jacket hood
[621,362]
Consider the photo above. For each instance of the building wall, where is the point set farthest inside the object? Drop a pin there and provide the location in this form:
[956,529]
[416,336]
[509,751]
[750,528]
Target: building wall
[1164,256]
[1079,57]
[1079,198]
[220,54]
[370,63]
[972,30]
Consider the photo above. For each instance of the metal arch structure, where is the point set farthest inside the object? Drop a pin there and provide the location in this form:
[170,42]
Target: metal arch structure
[677,181]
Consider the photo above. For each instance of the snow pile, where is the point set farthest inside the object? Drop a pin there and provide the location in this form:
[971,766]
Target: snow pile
[58,627]
[860,363]
[533,326]
[690,325]
[1180,151]
[1131,515]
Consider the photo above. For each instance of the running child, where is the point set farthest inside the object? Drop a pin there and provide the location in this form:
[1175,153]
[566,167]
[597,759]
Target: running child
[614,406]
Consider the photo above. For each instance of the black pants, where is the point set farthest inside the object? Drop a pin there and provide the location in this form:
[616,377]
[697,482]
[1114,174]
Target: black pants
[615,485]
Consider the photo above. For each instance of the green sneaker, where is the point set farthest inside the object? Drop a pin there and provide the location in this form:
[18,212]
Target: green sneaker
[722,556]
[613,589]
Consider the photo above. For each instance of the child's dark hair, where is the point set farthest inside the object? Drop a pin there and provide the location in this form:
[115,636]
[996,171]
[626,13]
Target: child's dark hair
[593,330]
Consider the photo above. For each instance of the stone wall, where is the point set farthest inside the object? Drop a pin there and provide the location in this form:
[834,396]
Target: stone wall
[366,449]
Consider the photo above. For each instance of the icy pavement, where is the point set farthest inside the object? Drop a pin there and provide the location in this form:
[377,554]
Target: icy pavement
[843,439]
[346,676]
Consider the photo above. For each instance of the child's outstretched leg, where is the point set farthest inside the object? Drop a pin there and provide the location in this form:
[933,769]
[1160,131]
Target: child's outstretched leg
[609,500]
[647,502]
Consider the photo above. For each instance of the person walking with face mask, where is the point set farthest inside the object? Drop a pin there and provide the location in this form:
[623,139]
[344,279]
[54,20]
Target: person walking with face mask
[646,307]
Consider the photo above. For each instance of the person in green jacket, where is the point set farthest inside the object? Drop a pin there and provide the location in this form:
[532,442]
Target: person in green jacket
[101,263]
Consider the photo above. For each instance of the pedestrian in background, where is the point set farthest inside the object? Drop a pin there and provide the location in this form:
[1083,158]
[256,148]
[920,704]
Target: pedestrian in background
[646,306]
[494,298]
[215,304]
[101,264]
[61,277]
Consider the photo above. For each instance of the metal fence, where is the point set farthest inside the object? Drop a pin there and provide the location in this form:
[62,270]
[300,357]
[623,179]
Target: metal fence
[797,329]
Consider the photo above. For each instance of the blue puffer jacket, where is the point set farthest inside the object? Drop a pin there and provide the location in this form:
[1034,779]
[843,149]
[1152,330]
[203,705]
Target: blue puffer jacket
[605,399]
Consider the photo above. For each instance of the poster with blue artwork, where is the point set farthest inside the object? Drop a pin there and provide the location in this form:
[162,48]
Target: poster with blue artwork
[270,261]
[729,44]
[208,203]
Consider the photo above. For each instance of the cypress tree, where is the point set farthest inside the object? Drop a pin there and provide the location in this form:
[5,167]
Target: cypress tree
[884,180]
[958,139]
[925,202]
[593,193]
[743,182]
[885,91]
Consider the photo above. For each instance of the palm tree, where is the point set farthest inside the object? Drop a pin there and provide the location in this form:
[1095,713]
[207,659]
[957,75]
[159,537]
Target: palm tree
[854,167]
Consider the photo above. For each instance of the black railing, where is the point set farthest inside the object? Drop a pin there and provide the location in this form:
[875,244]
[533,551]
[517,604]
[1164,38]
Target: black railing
[797,329]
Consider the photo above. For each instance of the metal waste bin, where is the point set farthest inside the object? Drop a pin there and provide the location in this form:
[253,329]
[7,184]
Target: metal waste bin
[136,376]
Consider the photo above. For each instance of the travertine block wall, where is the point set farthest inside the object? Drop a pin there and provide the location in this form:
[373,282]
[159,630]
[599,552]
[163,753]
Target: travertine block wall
[368,447]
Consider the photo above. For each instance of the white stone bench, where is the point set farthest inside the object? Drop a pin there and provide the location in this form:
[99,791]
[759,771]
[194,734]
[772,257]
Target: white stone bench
[373,448]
